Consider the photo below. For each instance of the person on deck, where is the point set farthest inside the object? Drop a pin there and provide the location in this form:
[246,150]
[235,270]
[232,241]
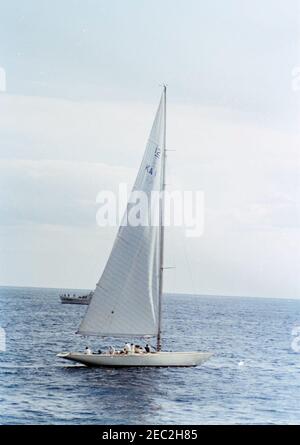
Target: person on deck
[111,350]
[127,348]
[87,350]
[147,348]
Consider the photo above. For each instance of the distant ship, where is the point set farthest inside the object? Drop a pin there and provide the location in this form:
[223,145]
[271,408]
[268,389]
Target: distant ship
[76,299]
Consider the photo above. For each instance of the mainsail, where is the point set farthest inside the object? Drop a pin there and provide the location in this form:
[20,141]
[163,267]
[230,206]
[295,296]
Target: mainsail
[126,301]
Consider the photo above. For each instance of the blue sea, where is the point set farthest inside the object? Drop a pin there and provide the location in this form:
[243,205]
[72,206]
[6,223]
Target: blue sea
[253,377]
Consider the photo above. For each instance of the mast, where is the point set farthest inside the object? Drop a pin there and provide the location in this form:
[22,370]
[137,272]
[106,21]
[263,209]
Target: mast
[161,222]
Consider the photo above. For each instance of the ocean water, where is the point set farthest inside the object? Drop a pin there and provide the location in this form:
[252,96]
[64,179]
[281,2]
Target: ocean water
[253,378]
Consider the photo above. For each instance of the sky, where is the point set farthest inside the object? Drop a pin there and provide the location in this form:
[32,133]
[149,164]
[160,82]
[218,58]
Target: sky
[82,86]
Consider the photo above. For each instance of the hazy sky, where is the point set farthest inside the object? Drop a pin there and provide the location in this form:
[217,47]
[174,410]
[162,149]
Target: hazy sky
[82,88]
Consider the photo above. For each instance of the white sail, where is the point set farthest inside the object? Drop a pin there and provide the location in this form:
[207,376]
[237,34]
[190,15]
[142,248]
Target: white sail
[126,299]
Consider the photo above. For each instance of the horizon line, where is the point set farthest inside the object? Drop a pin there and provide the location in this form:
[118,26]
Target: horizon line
[165,293]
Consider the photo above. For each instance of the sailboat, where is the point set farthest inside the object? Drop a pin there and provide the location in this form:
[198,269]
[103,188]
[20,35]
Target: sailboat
[127,301]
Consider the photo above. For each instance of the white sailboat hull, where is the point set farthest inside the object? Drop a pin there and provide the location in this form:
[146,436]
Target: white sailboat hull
[157,359]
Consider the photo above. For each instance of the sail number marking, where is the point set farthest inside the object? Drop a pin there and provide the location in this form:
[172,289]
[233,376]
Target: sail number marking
[150,168]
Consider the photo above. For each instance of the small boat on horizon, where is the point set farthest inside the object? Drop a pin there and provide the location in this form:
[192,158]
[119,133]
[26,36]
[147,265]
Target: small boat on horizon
[76,299]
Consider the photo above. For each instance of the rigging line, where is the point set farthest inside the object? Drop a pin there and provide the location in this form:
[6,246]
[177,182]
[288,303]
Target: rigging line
[185,252]
[162,222]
